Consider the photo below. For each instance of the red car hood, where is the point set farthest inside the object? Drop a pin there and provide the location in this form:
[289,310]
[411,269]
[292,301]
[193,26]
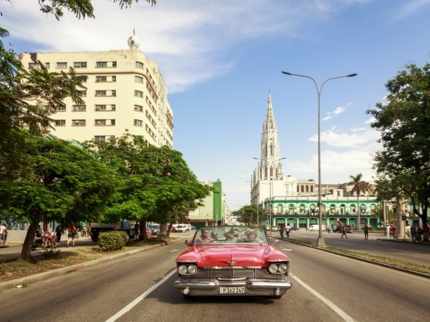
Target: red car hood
[220,255]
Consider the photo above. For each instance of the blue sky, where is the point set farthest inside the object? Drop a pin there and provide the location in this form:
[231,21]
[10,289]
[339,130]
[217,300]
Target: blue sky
[220,59]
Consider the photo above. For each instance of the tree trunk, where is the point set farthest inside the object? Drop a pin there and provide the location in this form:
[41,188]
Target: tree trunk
[142,225]
[28,242]
[169,227]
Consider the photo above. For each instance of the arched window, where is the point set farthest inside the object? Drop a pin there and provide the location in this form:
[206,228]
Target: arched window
[279,211]
[303,188]
[307,188]
[265,172]
[271,172]
[312,188]
[302,209]
[291,209]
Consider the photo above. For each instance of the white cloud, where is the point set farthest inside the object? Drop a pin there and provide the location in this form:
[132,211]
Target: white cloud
[358,129]
[409,9]
[337,111]
[341,139]
[370,121]
[187,38]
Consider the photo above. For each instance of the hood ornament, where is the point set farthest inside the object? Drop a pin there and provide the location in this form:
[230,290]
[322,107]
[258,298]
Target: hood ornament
[231,263]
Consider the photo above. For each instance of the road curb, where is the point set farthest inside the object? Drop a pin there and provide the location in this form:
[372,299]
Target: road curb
[62,271]
[362,259]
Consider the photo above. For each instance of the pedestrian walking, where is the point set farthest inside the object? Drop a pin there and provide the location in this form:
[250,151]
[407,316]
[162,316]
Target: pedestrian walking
[343,232]
[58,232]
[366,232]
[71,234]
[414,233]
[3,231]
[328,230]
[281,232]
[287,230]
[425,233]
[387,230]
[136,230]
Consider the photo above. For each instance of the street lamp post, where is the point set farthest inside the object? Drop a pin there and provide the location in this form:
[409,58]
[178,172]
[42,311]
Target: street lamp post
[320,242]
[270,192]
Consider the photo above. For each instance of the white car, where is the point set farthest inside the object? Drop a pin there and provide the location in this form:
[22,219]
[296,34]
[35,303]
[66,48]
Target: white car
[181,228]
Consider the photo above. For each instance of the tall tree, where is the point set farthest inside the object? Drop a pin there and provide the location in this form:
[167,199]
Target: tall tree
[65,183]
[248,214]
[359,186]
[404,125]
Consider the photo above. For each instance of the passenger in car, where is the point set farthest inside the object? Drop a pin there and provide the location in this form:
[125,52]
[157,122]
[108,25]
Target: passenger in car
[214,235]
[204,237]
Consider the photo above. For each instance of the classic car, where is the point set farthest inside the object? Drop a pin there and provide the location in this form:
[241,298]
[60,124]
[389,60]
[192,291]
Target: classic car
[232,261]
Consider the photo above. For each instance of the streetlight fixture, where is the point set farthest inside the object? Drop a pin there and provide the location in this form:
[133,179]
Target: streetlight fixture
[270,193]
[320,242]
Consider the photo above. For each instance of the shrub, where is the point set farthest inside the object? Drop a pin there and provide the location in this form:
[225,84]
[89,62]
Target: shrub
[112,240]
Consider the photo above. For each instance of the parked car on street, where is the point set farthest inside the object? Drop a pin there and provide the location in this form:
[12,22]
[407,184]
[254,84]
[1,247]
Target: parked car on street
[294,228]
[181,228]
[155,229]
[232,261]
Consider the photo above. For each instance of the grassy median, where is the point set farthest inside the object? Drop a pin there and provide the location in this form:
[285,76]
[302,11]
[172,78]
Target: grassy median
[60,258]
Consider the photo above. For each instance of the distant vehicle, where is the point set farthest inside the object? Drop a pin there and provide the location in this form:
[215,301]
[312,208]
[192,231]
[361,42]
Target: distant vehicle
[97,228]
[317,227]
[155,229]
[294,228]
[182,228]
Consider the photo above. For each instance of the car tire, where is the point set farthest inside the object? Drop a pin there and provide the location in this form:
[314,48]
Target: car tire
[187,297]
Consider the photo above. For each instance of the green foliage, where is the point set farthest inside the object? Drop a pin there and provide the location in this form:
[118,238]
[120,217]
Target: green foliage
[404,125]
[112,240]
[248,214]
[154,183]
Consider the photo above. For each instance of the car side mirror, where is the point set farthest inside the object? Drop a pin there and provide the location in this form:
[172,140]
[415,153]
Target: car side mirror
[187,242]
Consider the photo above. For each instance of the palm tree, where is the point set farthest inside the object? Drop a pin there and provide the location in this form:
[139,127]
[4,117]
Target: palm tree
[358,186]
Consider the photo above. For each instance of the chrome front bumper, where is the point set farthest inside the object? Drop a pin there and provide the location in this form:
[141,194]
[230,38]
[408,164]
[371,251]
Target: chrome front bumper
[212,287]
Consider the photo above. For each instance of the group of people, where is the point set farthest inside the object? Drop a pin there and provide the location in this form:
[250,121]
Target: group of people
[4,233]
[229,235]
[420,234]
[285,229]
[72,233]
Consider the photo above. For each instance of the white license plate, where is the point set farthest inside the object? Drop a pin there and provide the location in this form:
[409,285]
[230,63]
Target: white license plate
[232,290]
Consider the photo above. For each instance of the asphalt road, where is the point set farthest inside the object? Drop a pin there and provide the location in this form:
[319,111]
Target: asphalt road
[415,253]
[326,287]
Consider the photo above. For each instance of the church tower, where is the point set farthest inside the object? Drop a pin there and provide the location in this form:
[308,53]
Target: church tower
[270,166]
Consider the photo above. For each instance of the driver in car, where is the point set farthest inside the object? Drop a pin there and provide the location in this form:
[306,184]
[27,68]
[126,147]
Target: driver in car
[204,237]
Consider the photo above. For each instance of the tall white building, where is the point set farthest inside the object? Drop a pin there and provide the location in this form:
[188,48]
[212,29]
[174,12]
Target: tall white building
[125,90]
[267,180]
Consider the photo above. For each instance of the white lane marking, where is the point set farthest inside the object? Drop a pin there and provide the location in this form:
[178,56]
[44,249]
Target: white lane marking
[175,250]
[329,303]
[140,298]
[286,249]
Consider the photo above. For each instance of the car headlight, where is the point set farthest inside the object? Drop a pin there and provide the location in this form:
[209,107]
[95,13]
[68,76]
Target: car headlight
[283,268]
[192,269]
[273,268]
[182,269]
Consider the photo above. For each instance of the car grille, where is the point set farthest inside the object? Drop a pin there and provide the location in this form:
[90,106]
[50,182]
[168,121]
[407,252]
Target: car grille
[234,273]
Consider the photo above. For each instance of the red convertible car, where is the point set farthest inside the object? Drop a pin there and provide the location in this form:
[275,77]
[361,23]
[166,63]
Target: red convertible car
[232,261]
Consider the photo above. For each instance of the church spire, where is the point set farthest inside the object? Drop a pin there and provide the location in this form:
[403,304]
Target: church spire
[270,164]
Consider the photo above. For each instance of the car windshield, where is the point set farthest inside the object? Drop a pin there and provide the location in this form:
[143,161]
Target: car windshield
[230,235]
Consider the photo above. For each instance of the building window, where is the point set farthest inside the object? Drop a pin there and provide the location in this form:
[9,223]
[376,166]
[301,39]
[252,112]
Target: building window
[100,93]
[100,122]
[303,188]
[100,138]
[138,122]
[138,79]
[48,65]
[138,108]
[60,122]
[62,65]
[113,93]
[312,188]
[101,79]
[80,64]
[100,107]
[113,107]
[139,64]
[338,193]
[101,64]
[81,93]
[78,122]
[112,122]
[307,188]
[114,64]
[138,93]
[33,65]
[60,108]
[79,108]
[113,78]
